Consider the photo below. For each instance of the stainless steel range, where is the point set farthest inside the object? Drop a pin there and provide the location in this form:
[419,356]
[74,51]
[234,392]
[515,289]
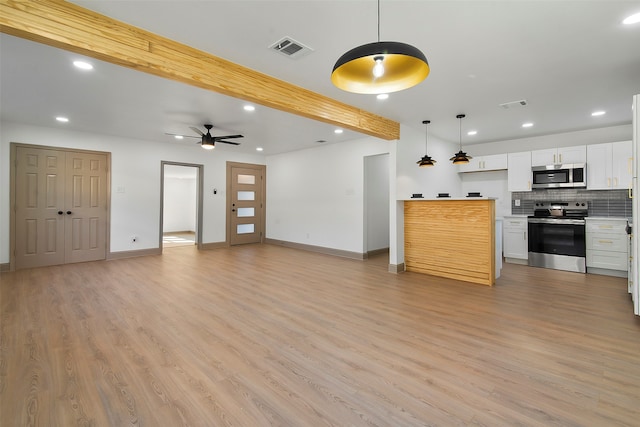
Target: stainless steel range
[557,235]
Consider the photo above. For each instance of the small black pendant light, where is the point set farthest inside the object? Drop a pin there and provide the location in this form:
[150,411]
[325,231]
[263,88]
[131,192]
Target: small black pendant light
[460,157]
[426,161]
[380,67]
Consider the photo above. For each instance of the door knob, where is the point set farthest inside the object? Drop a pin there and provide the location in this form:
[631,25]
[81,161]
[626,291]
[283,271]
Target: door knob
[60,212]
[68,212]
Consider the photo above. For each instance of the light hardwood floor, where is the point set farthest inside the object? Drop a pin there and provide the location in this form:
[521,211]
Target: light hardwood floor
[180,238]
[263,335]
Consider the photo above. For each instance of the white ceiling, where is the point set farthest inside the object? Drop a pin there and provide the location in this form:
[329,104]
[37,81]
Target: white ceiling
[566,58]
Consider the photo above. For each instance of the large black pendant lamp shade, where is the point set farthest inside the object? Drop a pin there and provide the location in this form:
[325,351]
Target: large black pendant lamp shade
[426,160]
[460,157]
[380,67]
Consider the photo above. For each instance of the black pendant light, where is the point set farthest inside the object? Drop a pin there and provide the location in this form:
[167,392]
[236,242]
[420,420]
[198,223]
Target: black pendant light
[426,160]
[380,67]
[460,157]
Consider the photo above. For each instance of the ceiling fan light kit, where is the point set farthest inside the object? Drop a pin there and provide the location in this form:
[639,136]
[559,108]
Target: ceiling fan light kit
[460,157]
[426,160]
[380,67]
[208,141]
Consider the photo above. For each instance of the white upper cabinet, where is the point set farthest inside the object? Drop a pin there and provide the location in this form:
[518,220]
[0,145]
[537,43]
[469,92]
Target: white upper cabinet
[609,166]
[485,163]
[552,156]
[519,171]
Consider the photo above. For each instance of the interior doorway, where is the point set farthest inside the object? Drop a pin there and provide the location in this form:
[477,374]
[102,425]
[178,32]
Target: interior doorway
[181,205]
[376,204]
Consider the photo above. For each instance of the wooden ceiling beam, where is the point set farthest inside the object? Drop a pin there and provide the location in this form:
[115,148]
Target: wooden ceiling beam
[73,28]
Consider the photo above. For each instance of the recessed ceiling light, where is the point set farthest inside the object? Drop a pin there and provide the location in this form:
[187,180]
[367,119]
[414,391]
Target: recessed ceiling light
[472,132]
[178,137]
[598,113]
[382,96]
[83,65]
[249,108]
[338,131]
[62,119]
[633,19]
[527,125]
[259,148]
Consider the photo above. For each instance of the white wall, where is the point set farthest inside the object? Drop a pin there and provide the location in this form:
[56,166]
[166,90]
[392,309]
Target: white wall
[135,169]
[315,196]
[180,202]
[490,184]
[441,178]
[376,173]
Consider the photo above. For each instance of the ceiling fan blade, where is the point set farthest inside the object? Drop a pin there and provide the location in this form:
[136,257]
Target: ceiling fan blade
[196,130]
[228,142]
[177,134]
[217,138]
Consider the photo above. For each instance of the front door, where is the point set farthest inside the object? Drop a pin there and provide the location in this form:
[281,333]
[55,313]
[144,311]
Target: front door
[61,206]
[246,203]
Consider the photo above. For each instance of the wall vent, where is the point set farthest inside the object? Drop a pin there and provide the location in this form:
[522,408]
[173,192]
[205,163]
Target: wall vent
[513,104]
[290,48]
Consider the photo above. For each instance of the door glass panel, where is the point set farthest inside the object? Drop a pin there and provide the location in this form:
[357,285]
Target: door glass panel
[246,179]
[245,228]
[246,195]
[246,212]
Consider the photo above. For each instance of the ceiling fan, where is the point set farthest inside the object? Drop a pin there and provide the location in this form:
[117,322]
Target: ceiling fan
[208,141]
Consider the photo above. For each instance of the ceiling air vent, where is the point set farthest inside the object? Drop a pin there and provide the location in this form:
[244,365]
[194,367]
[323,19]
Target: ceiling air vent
[513,104]
[291,48]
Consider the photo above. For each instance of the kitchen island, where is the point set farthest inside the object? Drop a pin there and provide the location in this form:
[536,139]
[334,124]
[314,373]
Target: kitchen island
[451,237]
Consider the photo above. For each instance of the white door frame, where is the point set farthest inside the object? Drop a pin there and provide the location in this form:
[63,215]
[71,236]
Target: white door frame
[199,193]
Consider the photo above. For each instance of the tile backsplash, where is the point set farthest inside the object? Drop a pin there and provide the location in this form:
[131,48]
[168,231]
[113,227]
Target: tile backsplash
[605,203]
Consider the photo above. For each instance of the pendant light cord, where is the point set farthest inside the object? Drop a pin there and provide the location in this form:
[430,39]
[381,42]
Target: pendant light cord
[460,133]
[378,21]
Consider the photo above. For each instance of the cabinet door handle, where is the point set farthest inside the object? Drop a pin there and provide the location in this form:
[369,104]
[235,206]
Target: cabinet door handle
[605,241]
[524,235]
[554,158]
[559,158]
[615,182]
[608,182]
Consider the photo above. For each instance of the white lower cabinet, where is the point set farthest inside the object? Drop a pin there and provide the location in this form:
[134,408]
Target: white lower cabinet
[607,246]
[516,243]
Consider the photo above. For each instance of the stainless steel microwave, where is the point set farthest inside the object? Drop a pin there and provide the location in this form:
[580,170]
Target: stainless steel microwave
[573,175]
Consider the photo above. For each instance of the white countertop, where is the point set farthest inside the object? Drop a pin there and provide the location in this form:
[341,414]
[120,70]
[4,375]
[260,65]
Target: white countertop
[431,199]
[608,218]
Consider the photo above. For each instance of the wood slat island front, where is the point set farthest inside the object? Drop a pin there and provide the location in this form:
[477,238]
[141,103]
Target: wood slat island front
[451,238]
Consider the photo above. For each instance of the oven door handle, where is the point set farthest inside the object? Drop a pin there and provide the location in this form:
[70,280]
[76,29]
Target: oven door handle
[556,221]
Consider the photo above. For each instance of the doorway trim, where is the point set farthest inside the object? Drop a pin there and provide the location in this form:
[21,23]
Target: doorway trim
[199,196]
[13,148]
